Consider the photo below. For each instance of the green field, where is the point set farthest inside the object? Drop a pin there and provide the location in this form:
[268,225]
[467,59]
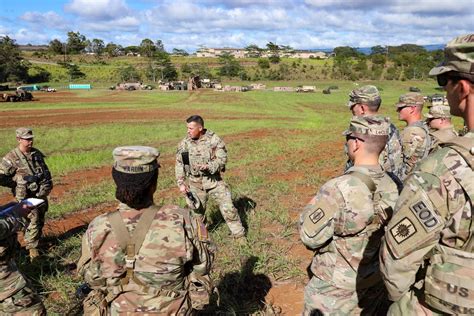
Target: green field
[282,146]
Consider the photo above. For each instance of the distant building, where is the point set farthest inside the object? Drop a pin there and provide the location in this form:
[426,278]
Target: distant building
[242,53]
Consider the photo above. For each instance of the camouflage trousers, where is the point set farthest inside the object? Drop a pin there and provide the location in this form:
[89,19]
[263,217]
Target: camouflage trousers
[409,304]
[34,229]
[221,194]
[16,295]
[323,298]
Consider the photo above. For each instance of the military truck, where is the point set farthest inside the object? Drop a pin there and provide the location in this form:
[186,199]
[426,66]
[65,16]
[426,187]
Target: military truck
[18,96]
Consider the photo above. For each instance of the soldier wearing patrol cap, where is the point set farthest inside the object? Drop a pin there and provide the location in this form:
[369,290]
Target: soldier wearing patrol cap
[427,256]
[415,137]
[142,258]
[344,223]
[441,128]
[26,167]
[366,101]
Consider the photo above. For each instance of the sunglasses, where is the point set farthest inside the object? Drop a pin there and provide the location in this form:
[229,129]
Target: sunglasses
[401,108]
[444,79]
[349,137]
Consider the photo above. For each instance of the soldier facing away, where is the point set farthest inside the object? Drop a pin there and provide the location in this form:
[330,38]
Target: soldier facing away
[415,136]
[200,159]
[441,128]
[143,258]
[30,174]
[17,297]
[366,101]
[344,224]
[427,256]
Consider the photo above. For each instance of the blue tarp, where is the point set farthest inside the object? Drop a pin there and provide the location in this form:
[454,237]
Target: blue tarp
[29,88]
[80,86]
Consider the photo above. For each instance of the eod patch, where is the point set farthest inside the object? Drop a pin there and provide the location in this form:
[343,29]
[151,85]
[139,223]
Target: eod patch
[403,230]
[426,216]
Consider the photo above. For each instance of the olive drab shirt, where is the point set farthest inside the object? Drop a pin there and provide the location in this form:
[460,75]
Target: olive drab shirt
[416,144]
[441,135]
[208,150]
[341,222]
[176,244]
[433,216]
[16,165]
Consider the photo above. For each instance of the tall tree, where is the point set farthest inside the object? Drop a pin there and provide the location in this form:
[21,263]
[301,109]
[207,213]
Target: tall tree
[147,48]
[12,66]
[113,50]
[160,47]
[274,52]
[76,42]
[229,66]
[56,47]
[253,51]
[97,46]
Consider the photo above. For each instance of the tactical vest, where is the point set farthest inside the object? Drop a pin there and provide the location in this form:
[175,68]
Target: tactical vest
[449,285]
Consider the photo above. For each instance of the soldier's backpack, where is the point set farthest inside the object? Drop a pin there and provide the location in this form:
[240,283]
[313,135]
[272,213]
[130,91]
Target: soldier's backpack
[449,277]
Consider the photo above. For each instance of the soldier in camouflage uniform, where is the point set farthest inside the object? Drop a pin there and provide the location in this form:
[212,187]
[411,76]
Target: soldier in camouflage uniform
[441,128]
[416,140]
[344,224]
[366,101]
[427,256]
[27,168]
[151,271]
[200,159]
[17,297]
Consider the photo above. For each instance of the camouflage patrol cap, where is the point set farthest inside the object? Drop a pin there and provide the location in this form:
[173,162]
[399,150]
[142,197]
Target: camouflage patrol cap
[24,133]
[135,159]
[367,125]
[458,56]
[438,111]
[363,94]
[410,99]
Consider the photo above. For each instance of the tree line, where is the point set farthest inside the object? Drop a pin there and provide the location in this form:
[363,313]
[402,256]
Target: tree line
[404,62]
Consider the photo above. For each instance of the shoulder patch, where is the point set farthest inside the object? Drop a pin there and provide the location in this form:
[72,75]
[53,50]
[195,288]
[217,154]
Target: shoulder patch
[403,230]
[317,216]
[427,218]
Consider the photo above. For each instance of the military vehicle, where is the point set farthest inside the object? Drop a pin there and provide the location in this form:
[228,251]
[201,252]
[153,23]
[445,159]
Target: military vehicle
[131,86]
[19,96]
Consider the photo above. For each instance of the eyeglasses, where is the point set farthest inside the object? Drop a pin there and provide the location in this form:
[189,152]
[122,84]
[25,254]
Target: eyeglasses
[349,137]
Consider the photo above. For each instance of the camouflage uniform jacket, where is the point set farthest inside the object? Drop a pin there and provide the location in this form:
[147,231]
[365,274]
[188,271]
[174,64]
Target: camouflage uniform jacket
[342,223]
[441,136]
[433,215]
[17,165]
[11,281]
[208,150]
[176,244]
[416,144]
[390,158]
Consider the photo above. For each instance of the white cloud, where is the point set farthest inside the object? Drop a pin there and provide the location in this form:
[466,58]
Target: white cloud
[49,19]
[98,9]
[125,24]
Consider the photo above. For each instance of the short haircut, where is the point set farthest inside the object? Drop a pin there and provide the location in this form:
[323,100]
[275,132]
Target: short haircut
[195,118]
[373,105]
[374,144]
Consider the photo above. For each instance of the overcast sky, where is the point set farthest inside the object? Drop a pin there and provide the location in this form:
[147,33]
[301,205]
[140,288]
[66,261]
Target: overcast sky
[185,24]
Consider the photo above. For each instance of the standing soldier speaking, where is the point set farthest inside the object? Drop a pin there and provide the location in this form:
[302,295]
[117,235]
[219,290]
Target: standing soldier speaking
[28,170]
[427,257]
[200,159]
